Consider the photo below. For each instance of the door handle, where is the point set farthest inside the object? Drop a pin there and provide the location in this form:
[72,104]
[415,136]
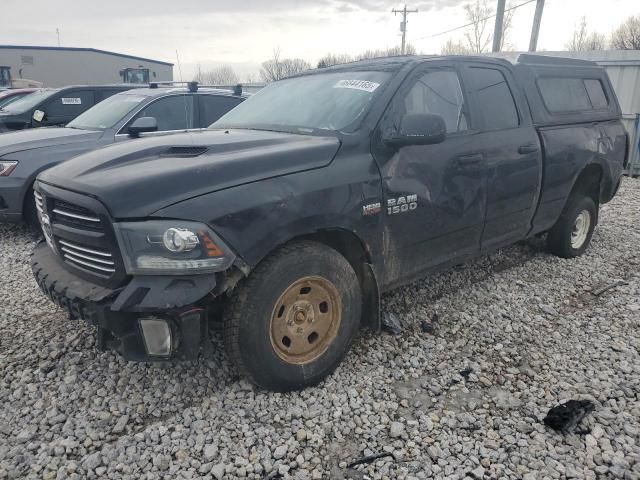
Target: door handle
[470,159]
[528,148]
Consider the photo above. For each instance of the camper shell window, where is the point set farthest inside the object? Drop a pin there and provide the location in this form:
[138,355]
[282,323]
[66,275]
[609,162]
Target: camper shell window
[572,94]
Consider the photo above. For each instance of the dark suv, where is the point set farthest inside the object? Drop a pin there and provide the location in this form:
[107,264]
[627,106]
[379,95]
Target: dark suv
[308,201]
[54,106]
[158,110]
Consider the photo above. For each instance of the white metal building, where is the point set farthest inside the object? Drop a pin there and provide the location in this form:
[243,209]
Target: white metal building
[60,66]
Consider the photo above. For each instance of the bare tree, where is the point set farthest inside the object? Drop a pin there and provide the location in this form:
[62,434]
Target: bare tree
[278,68]
[222,75]
[627,35]
[334,59]
[454,47]
[582,40]
[479,37]
[389,52]
[339,58]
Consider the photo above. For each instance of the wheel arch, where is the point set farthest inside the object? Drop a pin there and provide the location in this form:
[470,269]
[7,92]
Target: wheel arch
[358,254]
[589,182]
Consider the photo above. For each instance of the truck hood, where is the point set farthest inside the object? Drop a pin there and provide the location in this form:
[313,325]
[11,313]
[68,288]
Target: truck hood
[137,178]
[21,140]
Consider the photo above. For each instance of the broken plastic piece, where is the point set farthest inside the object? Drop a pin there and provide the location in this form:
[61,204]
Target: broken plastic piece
[391,324]
[566,416]
[427,327]
[369,459]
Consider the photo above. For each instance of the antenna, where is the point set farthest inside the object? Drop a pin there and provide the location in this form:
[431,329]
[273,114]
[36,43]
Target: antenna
[58,35]
[186,107]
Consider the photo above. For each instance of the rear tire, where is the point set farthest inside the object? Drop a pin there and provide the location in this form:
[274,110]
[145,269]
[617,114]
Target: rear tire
[571,235]
[292,321]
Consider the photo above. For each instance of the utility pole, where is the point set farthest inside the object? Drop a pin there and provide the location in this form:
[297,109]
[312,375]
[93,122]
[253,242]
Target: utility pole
[403,24]
[498,31]
[537,19]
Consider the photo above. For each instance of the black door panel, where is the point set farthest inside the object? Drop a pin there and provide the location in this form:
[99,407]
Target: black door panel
[511,150]
[434,195]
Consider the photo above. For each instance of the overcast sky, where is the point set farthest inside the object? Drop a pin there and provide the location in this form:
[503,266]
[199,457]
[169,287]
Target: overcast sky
[243,33]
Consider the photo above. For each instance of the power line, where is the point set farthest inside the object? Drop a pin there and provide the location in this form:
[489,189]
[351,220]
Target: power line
[473,23]
[403,25]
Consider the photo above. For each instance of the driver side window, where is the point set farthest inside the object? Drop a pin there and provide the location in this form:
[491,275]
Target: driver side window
[439,92]
[171,113]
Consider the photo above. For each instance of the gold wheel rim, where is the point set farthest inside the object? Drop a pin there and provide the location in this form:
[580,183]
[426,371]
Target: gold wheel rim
[305,320]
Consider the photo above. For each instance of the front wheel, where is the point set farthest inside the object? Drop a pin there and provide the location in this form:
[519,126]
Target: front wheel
[294,318]
[571,235]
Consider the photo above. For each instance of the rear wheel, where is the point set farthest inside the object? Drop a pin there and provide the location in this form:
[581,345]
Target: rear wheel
[571,235]
[293,320]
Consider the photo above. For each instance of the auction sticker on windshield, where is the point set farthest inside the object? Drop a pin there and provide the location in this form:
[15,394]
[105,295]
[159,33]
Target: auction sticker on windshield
[363,85]
[71,101]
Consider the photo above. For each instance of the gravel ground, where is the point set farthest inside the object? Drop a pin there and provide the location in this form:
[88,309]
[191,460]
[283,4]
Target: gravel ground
[516,333]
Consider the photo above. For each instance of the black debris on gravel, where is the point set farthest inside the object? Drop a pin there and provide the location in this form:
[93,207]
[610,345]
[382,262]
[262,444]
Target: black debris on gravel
[567,416]
[369,459]
[391,324]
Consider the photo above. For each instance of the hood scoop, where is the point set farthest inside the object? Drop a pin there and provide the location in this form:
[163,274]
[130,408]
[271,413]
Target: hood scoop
[188,151]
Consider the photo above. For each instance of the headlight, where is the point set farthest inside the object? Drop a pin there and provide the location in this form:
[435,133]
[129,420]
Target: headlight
[6,167]
[159,247]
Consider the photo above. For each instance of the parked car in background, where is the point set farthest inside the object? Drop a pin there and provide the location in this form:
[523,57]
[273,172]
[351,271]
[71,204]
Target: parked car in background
[47,107]
[157,110]
[11,95]
[300,207]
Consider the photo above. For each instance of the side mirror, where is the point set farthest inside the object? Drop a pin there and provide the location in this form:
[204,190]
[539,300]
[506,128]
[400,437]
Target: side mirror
[38,116]
[419,129]
[143,125]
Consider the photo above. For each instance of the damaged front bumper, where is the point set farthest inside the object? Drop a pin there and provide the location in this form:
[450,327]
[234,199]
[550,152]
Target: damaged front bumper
[152,318]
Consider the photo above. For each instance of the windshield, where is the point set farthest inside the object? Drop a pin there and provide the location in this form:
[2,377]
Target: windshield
[329,101]
[27,103]
[107,113]
[6,100]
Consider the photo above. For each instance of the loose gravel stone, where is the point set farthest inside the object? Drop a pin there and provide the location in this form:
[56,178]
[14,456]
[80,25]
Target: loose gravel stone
[511,335]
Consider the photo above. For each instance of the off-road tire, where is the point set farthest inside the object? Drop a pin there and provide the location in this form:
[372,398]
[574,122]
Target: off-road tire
[248,316]
[559,240]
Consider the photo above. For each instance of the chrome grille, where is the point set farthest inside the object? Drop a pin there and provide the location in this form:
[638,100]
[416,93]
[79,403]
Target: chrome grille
[75,216]
[45,231]
[39,204]
[79,236]
[92,259]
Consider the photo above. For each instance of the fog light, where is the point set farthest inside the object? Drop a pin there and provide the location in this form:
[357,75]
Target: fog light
[157,336]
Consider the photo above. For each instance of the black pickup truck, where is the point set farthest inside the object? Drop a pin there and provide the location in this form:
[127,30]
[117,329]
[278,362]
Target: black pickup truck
[293,214]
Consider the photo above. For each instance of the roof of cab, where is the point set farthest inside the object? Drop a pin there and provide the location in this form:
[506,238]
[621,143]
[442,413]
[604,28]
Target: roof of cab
[397,62]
